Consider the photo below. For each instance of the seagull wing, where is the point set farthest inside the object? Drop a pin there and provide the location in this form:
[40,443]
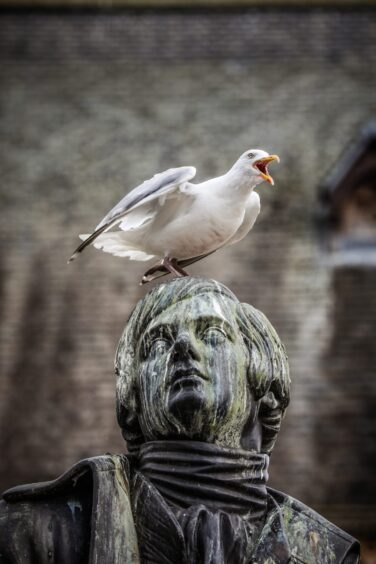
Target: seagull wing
[160,186]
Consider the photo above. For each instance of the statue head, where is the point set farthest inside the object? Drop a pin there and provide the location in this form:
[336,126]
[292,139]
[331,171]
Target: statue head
[195,363]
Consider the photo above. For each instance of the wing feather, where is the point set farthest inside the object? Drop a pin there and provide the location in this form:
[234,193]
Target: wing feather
[155,187]
[159,185]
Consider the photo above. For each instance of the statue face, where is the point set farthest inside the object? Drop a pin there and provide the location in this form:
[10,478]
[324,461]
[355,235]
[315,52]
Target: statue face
[193,373]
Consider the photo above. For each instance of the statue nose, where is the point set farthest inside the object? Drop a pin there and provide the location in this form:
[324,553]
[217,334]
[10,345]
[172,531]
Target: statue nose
[184,348]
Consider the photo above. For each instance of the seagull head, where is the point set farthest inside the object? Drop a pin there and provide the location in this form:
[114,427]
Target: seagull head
[254,164]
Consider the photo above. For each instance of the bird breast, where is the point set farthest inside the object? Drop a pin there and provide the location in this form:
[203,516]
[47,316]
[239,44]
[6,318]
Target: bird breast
[206,224]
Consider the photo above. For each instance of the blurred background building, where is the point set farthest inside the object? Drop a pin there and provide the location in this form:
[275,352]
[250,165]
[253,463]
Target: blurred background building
[95,99]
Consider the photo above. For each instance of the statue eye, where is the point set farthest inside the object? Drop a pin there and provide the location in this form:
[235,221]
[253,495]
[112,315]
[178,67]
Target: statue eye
[214,335]
[159,346]
[154,345]
[251,155]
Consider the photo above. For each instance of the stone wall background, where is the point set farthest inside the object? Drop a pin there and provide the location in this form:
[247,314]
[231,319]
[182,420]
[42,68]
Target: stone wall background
[94,102]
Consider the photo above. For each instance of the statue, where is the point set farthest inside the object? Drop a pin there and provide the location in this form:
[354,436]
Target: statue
[202,387]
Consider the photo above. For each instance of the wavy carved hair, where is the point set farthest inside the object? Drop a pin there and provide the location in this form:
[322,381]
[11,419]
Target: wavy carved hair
[268,372]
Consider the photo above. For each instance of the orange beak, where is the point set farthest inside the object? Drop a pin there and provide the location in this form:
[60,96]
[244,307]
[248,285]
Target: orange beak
[262,166]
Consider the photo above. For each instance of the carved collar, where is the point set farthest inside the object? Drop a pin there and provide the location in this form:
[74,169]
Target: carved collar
[199,502]
[190,473]
[161,538]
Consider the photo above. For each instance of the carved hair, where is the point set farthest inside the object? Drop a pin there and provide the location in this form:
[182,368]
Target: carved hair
[268,372]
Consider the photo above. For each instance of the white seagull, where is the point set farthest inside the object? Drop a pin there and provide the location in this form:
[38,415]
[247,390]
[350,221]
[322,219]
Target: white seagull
[177,222]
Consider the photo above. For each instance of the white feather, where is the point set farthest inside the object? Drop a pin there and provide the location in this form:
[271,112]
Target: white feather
[168,217]
[116,244]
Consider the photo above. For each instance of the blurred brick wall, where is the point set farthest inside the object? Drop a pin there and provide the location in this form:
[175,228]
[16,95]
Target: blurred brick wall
[94,103]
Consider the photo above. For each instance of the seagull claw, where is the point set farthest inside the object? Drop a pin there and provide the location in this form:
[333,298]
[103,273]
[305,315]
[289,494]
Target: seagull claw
[157,268]
[166,266]
[172,266]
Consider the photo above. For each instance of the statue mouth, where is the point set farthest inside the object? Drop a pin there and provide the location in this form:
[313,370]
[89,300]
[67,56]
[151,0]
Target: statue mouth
[187,377]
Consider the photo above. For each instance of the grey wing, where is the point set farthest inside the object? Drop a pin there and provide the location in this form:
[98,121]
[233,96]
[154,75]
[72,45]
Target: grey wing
[160,185]
[148,190]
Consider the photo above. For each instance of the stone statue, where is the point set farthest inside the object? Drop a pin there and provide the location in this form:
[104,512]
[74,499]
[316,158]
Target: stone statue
[202,386]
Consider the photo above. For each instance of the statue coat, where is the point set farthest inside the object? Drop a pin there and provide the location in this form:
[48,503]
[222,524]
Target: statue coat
[85,516]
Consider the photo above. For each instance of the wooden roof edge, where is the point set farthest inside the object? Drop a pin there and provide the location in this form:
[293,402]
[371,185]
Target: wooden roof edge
[348,158]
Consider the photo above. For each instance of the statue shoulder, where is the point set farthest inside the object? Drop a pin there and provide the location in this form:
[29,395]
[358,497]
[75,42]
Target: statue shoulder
[33,517]
[73,479]
[311,537]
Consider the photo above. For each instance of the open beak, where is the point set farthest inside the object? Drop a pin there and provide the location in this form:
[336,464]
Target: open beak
[262,166]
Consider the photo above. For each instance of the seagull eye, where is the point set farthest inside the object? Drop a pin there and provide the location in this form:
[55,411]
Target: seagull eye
[251,155]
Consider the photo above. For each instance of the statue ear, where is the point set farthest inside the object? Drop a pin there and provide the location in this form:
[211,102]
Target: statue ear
[270,414]
[126,411]
[269,401]
[128,421]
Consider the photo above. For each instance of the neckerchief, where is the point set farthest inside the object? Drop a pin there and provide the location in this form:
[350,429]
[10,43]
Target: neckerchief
[218,495]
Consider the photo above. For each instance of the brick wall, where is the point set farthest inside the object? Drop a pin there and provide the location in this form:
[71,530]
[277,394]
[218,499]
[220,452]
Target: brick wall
[94,103]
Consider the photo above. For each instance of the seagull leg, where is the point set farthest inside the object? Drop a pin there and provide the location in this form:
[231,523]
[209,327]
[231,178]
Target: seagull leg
[173,267]
[149,274]
[164,267]
[158,270]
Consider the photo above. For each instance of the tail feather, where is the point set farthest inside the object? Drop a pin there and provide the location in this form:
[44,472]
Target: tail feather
[116,244]
[89,239]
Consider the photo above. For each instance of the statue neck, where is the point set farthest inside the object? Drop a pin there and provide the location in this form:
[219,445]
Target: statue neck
[192,473]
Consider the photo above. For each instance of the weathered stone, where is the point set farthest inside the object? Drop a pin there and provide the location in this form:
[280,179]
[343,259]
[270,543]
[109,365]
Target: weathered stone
[203,384]
[95,102]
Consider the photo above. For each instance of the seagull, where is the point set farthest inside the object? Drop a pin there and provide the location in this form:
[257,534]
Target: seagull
[170,219]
